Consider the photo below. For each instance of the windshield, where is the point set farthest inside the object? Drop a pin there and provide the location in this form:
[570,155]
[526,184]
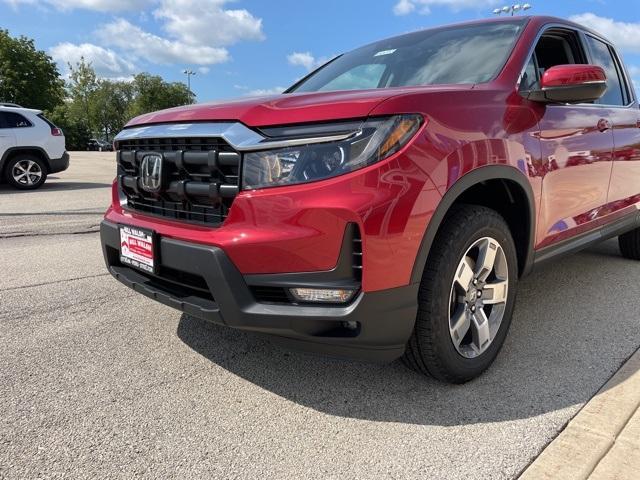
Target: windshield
[458,54]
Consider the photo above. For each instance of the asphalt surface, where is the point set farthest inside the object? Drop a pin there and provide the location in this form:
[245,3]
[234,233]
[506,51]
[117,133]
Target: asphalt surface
[97,381]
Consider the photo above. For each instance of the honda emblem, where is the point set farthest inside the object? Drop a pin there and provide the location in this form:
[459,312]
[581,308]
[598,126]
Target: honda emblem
[151,173]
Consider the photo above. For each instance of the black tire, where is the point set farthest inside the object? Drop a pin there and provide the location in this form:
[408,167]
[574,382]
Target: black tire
[430,349]
[21,158]
[629,244]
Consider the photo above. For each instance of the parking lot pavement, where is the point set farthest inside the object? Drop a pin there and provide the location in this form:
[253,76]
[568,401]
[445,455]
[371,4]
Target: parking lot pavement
[97,381]
[69,202]
[602,442]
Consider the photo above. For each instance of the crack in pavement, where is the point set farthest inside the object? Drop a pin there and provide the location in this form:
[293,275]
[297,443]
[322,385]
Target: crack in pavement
[55,281]
[93,229]
[92,304]
[67,212]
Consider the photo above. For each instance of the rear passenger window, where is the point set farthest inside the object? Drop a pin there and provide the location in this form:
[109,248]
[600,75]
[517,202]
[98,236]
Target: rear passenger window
[602,56]
[13,120]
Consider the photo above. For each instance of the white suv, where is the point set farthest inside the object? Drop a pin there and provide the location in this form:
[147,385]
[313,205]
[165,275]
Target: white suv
[31,147]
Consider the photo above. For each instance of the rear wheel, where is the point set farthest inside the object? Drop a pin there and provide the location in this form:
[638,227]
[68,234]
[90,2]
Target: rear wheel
[26,172]
[630,244]
[466,297]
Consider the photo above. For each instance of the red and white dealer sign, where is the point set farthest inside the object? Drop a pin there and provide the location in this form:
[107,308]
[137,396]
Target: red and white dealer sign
[136,248]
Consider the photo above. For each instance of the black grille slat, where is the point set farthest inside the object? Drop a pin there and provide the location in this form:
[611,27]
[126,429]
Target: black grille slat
[265,294]
[357,255]
[201,177]
[196,213]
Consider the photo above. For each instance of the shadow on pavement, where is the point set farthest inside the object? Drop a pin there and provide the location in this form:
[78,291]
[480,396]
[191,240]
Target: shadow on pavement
[573,327]
[56,186]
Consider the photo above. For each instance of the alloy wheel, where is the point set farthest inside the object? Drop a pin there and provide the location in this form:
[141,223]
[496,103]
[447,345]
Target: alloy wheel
[478,297]
[26,172]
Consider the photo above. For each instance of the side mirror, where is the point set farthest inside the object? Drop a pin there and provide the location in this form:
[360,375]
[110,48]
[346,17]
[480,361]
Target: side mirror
[570,84]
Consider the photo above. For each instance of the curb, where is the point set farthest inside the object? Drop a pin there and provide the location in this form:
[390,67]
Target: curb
[603,440]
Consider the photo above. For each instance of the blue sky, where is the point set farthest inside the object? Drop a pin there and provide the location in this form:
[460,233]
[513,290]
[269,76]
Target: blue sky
[245,47]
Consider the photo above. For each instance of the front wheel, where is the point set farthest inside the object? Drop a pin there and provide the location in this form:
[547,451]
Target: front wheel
[466,296]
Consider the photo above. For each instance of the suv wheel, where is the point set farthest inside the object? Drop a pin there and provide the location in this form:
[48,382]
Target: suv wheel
[466,296]
[26,172]
[630,244]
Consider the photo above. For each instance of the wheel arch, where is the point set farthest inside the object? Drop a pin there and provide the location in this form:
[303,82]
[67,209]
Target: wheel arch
[31,150]
[514,182]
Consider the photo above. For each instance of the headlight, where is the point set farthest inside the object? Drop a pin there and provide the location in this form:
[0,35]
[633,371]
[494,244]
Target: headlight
[376,139]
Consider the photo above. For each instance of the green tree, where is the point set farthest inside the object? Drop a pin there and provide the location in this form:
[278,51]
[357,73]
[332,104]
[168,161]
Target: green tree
[76,132]
[153,93]
[81,88]
[28,76]
[101,107]
[110,106]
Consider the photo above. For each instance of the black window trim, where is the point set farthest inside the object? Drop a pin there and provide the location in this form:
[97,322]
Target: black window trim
[581,36]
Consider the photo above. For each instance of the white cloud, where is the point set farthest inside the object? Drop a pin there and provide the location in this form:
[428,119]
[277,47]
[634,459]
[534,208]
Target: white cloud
[155,49]
[405,7]
[204,70]
[625,35]
[261,92]
[197,30]
[306,60]
[99,5]
[106,63]
[199,22]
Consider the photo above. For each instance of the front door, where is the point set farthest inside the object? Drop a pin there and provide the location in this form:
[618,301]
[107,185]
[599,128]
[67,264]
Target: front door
[576,145]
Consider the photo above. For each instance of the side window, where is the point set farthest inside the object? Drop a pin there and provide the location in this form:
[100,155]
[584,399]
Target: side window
[558,47]
[3,124]
[14,120]
[601,53]
[529,79]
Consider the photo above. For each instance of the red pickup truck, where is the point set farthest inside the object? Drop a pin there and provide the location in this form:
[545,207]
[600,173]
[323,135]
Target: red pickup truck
[386,204]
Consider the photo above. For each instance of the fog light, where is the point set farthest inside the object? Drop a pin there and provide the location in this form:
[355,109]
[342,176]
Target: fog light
[322,295]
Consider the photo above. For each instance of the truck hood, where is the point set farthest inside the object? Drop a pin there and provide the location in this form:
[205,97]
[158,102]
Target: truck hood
[287,109]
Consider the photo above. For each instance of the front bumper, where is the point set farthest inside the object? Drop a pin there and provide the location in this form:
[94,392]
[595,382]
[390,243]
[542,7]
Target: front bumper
[202,281]
[59,164]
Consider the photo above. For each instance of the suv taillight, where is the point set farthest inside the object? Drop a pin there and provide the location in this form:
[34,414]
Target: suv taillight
[56,132]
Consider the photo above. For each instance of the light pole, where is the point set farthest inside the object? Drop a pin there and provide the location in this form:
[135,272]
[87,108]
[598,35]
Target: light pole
[188,73]
[512,9]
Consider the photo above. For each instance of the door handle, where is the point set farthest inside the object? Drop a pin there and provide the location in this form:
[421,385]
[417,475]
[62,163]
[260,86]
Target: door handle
[604,125]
